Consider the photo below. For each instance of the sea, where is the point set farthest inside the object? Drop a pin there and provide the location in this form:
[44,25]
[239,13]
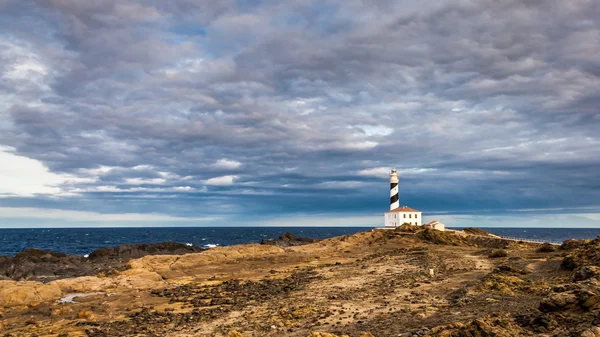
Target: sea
[82,241]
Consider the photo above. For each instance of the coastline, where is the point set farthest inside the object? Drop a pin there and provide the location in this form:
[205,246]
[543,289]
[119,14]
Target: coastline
[379,282]
[83,241]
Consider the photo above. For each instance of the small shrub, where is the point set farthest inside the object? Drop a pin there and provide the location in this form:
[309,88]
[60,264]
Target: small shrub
[498,253]
[546,248]
[408,228]
[569,263]
[510,270]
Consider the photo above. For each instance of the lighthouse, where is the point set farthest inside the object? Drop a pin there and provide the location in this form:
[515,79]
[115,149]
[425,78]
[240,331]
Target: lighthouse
[394,201]
[399,215]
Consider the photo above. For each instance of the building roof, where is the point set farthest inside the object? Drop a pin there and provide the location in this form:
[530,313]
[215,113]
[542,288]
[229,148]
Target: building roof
[432,223]
[402,209]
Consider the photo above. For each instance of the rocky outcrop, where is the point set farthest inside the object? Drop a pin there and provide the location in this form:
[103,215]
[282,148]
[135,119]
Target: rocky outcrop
[476,231]
[573,244]
[288,240]
[454,239]
[585,253]
[382,281]
[499,325]
[171,266]
[14,293]
[134,251]
[45,266]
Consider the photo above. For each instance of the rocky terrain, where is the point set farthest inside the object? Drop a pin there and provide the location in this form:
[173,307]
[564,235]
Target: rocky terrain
[377,283]
[288,240]
[43,265]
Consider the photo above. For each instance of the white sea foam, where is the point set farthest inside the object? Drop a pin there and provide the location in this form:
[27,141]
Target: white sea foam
[71,297]
[210,245]
[189,244]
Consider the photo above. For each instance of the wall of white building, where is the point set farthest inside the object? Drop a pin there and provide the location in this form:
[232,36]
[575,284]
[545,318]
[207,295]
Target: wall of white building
[396,219]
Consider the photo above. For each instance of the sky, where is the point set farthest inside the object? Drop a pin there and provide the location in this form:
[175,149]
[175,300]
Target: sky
[249,112]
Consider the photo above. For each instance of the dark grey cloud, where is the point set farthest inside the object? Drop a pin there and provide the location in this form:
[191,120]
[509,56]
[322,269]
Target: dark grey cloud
[483,105]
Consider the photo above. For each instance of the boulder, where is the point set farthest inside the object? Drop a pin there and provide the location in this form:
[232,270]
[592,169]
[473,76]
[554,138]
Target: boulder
[558,302]
[23,293]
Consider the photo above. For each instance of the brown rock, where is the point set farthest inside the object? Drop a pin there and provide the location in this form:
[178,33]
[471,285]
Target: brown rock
[85,284]
[589,299]
[26,293]
[558,302]
[170,265]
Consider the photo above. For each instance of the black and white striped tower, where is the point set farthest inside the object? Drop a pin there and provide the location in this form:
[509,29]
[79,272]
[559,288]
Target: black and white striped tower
[394,201]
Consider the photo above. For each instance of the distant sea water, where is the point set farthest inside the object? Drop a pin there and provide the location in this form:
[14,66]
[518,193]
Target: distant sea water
[82,241]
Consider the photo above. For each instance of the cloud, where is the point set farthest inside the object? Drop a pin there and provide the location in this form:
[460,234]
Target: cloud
[221,181]
[142,181]
[82,216]
[379,172]
[25,177]
[226,164]
[384,172]
[322,220]
[486,105]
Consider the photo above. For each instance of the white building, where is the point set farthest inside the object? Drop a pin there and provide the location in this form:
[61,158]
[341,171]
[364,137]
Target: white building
[398,215]
[401,215]
[435,225]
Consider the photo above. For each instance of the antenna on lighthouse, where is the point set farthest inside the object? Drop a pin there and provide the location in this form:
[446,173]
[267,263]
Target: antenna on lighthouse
[394,201]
